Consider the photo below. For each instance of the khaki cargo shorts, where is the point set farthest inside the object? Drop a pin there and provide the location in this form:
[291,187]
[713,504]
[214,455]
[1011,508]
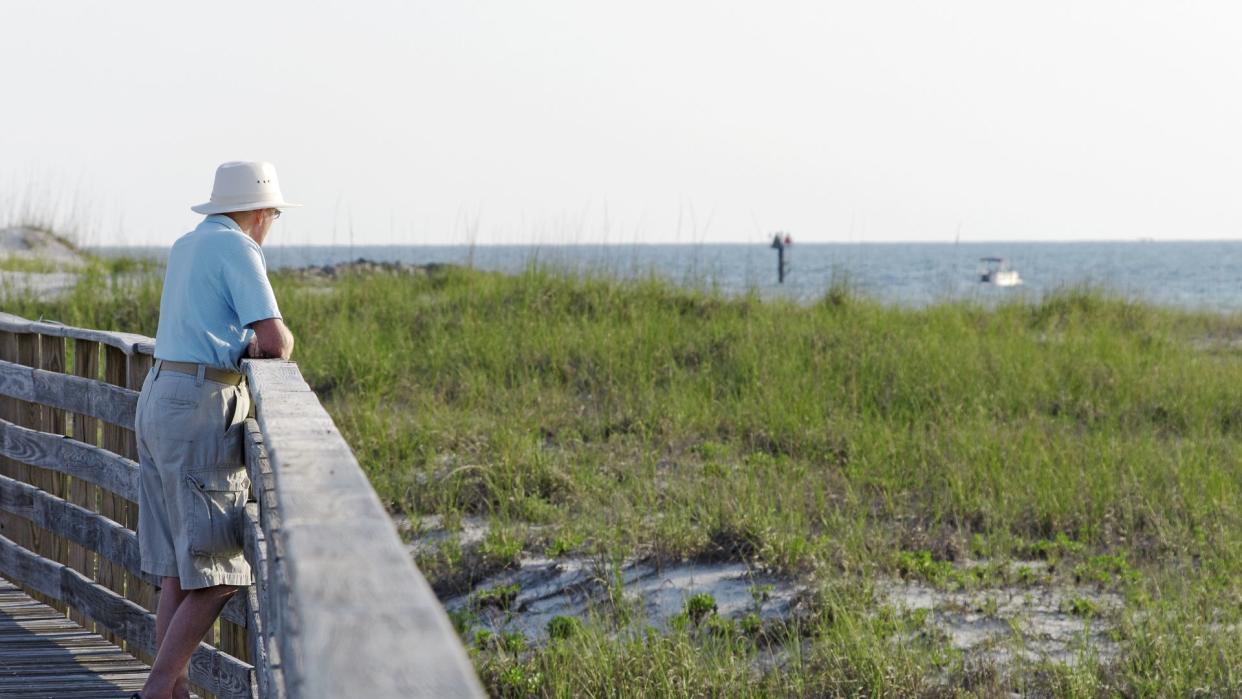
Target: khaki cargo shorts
[194,484]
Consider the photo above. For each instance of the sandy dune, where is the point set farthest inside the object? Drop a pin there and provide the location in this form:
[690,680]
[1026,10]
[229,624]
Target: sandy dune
[18,245]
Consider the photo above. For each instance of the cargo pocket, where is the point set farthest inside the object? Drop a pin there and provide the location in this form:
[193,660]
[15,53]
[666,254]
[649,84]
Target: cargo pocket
[217,498]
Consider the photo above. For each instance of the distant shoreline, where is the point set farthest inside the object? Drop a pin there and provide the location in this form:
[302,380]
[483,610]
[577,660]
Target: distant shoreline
[1199,275]
[121,249]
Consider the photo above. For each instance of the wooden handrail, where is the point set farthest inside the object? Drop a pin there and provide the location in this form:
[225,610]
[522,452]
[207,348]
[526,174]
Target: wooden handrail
[338,608]
[128,343]
[356,617]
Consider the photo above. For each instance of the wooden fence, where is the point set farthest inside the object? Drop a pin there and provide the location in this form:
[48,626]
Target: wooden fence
[338,608]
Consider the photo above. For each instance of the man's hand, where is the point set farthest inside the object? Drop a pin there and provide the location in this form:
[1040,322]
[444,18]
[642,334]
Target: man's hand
[272,339]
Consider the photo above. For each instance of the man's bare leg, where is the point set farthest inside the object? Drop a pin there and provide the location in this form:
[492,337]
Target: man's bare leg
[171,596]
[190,622]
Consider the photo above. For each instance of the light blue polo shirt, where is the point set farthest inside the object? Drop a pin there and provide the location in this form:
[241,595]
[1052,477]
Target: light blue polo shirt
[215,286]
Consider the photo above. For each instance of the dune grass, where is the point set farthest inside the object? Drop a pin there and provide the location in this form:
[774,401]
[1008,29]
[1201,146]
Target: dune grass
[838,443]
[30,265]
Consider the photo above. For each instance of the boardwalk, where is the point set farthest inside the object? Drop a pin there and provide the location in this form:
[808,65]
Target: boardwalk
[337,609]
[44,655]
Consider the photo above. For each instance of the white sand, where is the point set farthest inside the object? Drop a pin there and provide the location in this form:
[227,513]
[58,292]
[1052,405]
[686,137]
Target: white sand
[30,244]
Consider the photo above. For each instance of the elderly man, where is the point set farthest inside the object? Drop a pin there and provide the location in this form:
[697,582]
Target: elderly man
[217,307]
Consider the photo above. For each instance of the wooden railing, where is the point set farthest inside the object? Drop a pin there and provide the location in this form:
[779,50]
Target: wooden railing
[338,608]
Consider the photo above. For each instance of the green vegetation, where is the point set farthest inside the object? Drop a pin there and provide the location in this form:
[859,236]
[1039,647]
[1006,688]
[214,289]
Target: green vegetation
[699,606]
[840,443]
[562,628]
[37,265]
[501,597]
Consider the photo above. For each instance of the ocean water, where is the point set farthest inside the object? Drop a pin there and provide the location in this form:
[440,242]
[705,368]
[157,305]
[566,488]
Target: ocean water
[1200,275]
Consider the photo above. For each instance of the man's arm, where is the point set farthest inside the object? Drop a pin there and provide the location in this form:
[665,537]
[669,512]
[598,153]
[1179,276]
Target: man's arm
[272,339]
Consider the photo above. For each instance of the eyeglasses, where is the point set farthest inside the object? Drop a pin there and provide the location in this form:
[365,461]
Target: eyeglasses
[275,214]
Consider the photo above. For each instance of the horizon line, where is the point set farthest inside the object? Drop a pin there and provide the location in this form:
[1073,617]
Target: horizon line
[795,244]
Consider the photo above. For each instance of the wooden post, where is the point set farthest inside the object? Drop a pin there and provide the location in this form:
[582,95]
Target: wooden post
[31,415]
[52,358]
[111,505]
[21,531]
[27,415]
[233,639]
[10,525]
[85,429]
[779,245]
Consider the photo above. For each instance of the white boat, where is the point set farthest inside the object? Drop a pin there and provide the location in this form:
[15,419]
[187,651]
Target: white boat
[996,271]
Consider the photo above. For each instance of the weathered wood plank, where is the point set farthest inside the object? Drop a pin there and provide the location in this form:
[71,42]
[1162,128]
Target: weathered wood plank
[267,673]
[109,574]
[277,376]
[52,358]
[27,416]
[112,404]
[78,524]
[262,518]
[233,639]
[129,343]
[221,674]
[79,395]
[9,526]
[10,323]
[85,463]
[82,491]
[15,380]
[341,560]
[29,570]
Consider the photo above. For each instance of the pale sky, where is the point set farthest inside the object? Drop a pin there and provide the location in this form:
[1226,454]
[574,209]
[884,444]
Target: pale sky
[571,121]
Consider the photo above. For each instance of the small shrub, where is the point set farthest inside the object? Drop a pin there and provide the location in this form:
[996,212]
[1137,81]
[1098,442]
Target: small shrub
[482,638]
[500,597]
[720,625]
[919,564]
[1106,570]
[562,628]
[518,679]
[698,606]
[1082,606]
[500,547]
[561,546]
[513,641]
[1026,575]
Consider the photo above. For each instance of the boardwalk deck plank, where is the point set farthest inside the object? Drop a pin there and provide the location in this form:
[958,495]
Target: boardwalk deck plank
[44,655]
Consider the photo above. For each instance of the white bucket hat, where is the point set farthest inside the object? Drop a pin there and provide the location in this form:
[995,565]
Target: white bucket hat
[244,186]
